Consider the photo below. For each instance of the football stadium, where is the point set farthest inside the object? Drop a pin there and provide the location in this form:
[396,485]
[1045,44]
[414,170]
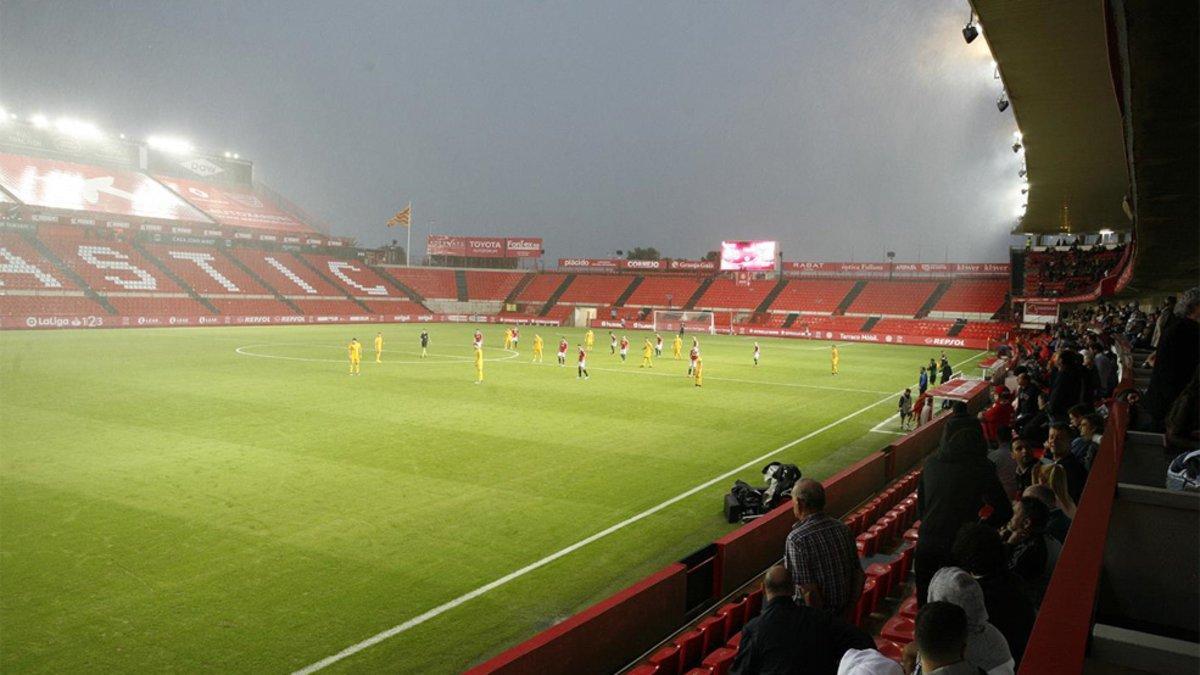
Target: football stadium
[236,436]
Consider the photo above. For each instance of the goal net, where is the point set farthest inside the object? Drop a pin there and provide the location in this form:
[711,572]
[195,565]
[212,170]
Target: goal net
[670,321]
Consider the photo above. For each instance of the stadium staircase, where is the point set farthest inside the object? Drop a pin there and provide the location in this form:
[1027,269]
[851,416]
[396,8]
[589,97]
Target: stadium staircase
[885,532]
[512,296]
[850,297]
[633,286]
[766,302]
[957,328]
[71,274]
[460,285]
[401,286]
[869,324]
[791,319]
[162,267]
[261,281]
[1005,311]
[691,303]
[933,299]
[325,277]
[553,299]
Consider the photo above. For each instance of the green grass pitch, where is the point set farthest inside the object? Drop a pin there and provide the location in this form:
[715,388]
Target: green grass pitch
[230,499]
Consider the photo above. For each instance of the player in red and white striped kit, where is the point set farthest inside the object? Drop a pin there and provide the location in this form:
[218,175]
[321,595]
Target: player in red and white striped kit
[693,357]
[757,353]
[582,364]
[624,347]
[562,352]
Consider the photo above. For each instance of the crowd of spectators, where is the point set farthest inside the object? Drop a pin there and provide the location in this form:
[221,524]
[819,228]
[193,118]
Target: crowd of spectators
[1053,273]
[995,501]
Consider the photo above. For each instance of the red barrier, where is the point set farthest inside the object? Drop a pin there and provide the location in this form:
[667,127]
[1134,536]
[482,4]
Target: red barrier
[604,637]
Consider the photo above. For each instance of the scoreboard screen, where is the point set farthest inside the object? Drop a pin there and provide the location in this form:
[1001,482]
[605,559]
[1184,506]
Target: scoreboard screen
[756,256]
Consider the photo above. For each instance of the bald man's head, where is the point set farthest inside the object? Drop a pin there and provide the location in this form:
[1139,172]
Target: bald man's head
[777,582]
[808,497]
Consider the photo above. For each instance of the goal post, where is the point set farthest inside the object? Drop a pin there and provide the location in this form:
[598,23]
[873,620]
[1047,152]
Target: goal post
[670,321]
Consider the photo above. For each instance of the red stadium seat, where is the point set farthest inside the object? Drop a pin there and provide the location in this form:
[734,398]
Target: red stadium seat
[720,660]
[714,630]
[667,660]
[691,649]
[884,576]
[867,543]
[735,615]
[889,649]
[898,629]
[646,669]
[699,670]
[912,534]
[867,602]
[734,641]
[754,603]
[908,608]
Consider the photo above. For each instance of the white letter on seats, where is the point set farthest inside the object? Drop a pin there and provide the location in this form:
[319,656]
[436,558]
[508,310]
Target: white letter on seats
[336,266]
[11,263]
[204,262]
[144,281]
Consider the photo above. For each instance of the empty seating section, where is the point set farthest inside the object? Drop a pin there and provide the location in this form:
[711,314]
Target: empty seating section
[849,324]
[541,288]
[912,327]
[595,289]
[250,307]
[111,266]
[49,305]
[206,270]
[985,329]
[21,266]
[353,277]
[143,305]
[983,296]
[885,534]
[285,274]
[492,285]
[810,295]
[728,294]
[895,298]
[395,307]
[664,292]
[432,283]
[342,307]
[559,312]
[1052,273]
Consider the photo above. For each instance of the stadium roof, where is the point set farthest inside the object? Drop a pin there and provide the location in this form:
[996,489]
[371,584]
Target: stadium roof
[1053,58]
[1105,95]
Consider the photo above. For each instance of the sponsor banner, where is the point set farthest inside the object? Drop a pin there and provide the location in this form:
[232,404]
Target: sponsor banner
[616,264]
[1041,312]
[629,325]
[235,206]
[645,265]
[796,268]
[523,247]
[444,244]
[692,265]
[94,321]
[81,187]
[209,168]
[590,264]
[880,338]
[484,247]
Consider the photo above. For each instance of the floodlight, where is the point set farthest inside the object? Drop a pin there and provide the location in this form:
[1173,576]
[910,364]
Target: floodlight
[170,144]
[1106,232]
[1016,148]
[1018,136]
[970,32]
[1022,172]
[77,128]
[40,121]
[1002,102]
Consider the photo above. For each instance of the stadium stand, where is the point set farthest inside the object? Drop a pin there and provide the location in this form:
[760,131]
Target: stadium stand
[725,293]
[241,306]
[285,274]
[595,289]
[354,278]
[912,327]
[176,304]
[430,283]
[110,265]
[328,306]
[23,266]
[491,285]
[48,305]
[663,291]
[970,296]
[983,329]
[891,298]
[206,270]
[827,323]
[1053,273]
[541,288]
[812,295]
[395,306]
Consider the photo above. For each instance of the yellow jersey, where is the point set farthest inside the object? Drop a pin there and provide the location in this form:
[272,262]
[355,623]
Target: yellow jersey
[378,343]
[355,350]
[537,342]
[647,349]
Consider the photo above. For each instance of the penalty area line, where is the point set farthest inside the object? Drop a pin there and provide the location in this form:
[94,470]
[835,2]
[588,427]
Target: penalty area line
[537,564]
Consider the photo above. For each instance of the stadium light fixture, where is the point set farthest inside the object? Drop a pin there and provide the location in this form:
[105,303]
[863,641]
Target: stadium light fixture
[1018,136]
[1022,173]
[1002,102]
[40,121]
[78,128]
[170,144]
[236,156]
[970,32]
[122,136]
[1017,147]
[1106,232]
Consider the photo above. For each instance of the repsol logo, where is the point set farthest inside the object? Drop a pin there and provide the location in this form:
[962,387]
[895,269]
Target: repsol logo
[256,319]
[946,342]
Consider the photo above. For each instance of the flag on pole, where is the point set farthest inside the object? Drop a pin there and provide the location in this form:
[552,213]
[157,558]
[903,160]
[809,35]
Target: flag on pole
[403,218]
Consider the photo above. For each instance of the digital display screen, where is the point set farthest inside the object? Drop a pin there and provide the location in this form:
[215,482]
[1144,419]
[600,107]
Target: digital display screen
[748,255]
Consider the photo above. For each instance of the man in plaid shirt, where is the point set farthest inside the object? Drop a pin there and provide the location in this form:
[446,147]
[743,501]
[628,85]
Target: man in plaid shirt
[821,555]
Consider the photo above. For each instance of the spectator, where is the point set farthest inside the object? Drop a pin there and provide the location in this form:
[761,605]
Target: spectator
[1106,366]
[922,382]
[979,551]
[1027,400]
[1058,446]
[1068,387]
[1057,524]
[998,415]
[1026,464]
[947,371]
[1032,553]
[986,647]
[820,554]
[1076,414]
[941,638]
[787,638]
[1087,444]
[957,480]
[1176,360]
[1006,467]
[867,662]
[906,409]
[1055,478]
[1166,319]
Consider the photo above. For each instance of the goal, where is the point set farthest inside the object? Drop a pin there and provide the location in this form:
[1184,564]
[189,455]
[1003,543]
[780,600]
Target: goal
[670,321]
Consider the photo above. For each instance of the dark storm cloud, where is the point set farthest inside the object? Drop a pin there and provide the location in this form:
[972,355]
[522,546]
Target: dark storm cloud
[837,127]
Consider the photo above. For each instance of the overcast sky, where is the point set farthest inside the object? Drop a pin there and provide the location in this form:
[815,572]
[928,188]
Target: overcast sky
[840,128]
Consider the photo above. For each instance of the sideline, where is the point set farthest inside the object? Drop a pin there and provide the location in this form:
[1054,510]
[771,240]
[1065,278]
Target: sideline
[516,574]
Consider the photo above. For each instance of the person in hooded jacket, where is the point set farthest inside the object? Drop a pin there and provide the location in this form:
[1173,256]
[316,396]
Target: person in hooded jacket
[956,482]
[986,647]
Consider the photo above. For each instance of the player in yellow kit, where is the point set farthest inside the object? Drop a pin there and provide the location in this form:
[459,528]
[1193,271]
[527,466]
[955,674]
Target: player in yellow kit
[379,348]
[677,346]
[355,349]
[508,338]
[647,354]
[834,359]
[589,339]
[537,348]
[698,372]
[478,365]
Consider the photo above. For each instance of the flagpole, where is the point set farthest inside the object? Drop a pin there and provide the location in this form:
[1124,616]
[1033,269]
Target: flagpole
[408,240]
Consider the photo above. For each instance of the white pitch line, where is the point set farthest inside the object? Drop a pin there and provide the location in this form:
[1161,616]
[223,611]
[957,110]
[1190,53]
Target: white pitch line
[516,574]
[430,360]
